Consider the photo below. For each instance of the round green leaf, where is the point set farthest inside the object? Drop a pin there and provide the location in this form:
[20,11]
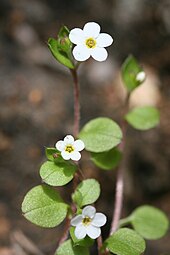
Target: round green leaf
[149,222]
[101,134]
[126,242]
[60,55]
[130,69]
[57,174]
[143,118]
[44,207]
[67,248]
[107,160]
[87,192]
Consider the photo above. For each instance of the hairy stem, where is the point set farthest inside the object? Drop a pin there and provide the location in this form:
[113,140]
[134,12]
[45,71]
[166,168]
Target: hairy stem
[76,102]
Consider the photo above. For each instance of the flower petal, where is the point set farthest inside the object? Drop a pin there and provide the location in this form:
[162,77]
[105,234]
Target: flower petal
[69,139]
[91,29]
[80,231]
[65,155]
[88,211]
[81,53]
[79,145]
[60,145]
[93,232]
[76,36]
[75,155]
[99,54]
[99,220]
[141,76]
[104,40]
[76,220]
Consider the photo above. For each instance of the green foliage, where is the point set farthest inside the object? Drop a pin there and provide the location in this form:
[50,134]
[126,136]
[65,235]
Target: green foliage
[107,160]
[86,242]
[143,118]
[64,42]
[51,153]
[44,207]
[67,248]
[87,192]
[101,134]
[57,174]
[149,222]
[61,48]
[125,242]
[130,69]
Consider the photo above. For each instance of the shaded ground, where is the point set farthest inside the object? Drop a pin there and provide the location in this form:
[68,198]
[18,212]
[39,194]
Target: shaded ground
[36,106]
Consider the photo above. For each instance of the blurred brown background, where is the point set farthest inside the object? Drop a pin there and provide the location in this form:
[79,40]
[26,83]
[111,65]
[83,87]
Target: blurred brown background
[36,107]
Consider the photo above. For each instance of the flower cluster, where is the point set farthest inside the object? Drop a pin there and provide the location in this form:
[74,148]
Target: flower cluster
[88,223]
[90,42]
[70,148]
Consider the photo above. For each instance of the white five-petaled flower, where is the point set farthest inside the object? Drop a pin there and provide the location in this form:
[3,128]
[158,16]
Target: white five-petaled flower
[141,76]
[70,148]
[88,223]
[90,42]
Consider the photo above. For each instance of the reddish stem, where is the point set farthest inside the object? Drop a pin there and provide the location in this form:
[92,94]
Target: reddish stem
[118,201]
[76,131]
[76,102]
[120,177]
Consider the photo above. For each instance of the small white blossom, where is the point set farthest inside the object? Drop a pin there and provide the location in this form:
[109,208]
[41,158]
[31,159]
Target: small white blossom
[88,223]
[90,42]
[70,148]
[141,76]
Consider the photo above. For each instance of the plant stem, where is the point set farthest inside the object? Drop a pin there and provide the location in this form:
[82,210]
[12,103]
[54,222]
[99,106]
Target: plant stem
[76,131]
[76,102]
[120,176]
[65,232]
[125,221]
[118,201]
[99,244]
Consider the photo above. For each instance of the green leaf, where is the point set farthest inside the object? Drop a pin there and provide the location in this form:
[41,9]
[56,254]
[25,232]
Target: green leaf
[125,242]
[67,248]
[64,42]
[54,155]
[87,192]
[51,153]
[143,118]
[57,174]
[101,134]
[107,160]
[59,54]
[130,69]
[44,207]
[149,222]
[87,241]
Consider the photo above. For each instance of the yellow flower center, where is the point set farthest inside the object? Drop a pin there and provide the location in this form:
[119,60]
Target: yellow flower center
[86,221]
[69,148]
[90,43]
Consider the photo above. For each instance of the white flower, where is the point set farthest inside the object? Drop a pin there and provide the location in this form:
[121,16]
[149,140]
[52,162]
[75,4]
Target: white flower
[88,223]
[90,42]
[70,148]
[141,76]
